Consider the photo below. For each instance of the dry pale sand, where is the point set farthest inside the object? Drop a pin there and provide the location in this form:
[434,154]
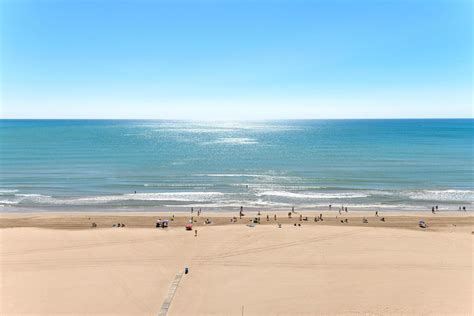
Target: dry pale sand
[264,270]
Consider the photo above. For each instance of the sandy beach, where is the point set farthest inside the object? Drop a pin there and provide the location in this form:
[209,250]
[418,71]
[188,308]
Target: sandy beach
[55,263]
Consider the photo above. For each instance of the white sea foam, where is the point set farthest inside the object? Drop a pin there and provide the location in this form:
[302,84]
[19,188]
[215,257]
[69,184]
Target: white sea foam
[312,195]
[258,177]
[6,191]
[442,195]
[155,196]
[7,202]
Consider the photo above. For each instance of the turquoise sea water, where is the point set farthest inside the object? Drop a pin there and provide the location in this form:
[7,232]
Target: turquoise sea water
[89,164]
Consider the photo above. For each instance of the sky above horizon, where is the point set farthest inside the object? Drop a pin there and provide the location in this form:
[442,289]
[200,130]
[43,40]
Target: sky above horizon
[236,59]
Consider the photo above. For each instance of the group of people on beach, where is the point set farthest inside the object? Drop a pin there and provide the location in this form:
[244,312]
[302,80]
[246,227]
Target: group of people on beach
[434,209]
[198,212]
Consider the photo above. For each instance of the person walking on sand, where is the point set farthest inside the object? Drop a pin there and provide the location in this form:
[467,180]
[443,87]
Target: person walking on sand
[275,217]
[195,233]
[433,210]
[376,213]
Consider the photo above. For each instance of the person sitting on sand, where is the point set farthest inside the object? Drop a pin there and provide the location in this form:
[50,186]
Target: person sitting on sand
[94,225]
[345,221]
[364,220]
[268,218]
[289,215]
[383,219]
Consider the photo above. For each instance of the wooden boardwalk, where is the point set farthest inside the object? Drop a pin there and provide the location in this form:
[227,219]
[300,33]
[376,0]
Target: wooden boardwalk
[169,298]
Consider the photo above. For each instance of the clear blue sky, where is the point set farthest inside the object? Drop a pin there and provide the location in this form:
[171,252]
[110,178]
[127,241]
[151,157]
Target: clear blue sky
[236,59]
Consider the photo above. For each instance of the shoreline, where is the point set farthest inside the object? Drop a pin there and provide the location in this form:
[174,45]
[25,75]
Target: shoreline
[84,220]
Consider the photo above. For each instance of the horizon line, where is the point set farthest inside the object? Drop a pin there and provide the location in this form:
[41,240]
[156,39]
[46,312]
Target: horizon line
[235,120]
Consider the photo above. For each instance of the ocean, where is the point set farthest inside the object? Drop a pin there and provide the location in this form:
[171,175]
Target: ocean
[175,165]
